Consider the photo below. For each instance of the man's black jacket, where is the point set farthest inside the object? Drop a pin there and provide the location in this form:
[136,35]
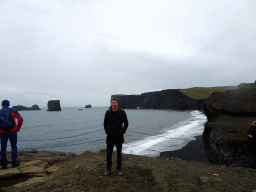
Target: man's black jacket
[115,125]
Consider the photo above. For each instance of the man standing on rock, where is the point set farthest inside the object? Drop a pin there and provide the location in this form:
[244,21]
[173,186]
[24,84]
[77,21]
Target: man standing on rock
[9,134]
[115,125]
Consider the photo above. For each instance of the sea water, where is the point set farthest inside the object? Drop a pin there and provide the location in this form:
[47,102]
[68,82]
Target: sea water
[78,129]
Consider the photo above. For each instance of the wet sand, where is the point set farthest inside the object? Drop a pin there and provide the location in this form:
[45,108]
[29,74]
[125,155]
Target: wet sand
[193,151]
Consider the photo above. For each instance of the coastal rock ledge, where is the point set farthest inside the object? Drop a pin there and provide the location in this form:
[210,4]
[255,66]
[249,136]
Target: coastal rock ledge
[230,115]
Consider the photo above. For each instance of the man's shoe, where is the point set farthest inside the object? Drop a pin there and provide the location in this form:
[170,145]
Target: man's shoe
[119,172]
[4,167]
[107,172]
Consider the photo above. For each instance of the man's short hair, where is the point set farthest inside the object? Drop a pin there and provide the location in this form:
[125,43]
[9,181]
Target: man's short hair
[114,99]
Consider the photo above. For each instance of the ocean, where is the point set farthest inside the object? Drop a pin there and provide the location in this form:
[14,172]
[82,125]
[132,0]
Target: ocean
[72,130]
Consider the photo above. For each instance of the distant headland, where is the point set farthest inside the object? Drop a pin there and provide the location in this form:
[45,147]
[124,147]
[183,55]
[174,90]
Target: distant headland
[24,108]
[177,99]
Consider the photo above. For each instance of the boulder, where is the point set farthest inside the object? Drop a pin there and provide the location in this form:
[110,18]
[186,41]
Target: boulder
[31,181]
[54,105]
[9,172]
[230,115]
[36,164]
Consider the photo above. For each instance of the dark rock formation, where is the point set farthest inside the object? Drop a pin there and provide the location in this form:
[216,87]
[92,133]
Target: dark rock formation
[230,115]
[54,105]
[166,99]
[88,106]
[23,108]
[38,165]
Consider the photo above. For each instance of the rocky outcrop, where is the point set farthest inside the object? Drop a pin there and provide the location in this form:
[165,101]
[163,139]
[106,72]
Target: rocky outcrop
[54,105]
[24,108]
[230,115]
[165,99]
[35,166]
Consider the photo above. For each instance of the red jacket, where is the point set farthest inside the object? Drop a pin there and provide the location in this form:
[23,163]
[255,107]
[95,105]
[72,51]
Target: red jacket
[15,115]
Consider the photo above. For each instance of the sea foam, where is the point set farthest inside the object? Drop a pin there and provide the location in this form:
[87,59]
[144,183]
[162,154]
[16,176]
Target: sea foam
[173,138]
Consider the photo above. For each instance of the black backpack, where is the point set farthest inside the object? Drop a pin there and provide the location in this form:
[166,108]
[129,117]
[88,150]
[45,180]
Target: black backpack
[6,121]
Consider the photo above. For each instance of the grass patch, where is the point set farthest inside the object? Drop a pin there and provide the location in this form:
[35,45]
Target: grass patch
[234,169]
[196,162]
[103,150]
[86,152]
[204,92]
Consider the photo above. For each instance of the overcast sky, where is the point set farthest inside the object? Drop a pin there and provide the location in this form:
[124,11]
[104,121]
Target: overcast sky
[83,51]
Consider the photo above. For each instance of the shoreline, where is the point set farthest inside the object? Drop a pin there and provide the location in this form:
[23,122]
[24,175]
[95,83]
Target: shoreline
[193,151]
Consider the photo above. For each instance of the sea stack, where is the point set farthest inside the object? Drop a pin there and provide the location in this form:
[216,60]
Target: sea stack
[54,105]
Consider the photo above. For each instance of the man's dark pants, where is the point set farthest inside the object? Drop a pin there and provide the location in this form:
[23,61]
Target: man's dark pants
[13,139]
[109,155]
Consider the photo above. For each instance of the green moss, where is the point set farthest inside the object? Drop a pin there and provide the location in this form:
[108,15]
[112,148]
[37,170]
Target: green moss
[87,152]
[234,169]
[103,150]
[204,92]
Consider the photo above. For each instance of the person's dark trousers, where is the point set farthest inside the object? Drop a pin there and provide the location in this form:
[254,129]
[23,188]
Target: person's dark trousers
[12,136]
[109,156]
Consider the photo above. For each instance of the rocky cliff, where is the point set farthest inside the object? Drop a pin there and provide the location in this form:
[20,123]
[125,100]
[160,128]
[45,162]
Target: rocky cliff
[24,108]
[230,115]
[54,105]
[165,99]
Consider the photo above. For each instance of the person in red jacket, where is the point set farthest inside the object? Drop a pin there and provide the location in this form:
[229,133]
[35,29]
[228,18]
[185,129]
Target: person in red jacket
[11,135]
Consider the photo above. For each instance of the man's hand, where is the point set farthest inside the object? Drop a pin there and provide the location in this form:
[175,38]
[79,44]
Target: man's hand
[250,136]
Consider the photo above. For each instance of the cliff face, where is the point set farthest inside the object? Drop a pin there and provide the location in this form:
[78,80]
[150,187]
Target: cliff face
[166,99]
[54,105]
[230,115]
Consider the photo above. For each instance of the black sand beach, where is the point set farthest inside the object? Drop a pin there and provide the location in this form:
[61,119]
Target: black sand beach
[193,151]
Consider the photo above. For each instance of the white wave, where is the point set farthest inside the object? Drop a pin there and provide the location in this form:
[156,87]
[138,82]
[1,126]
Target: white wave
[171,139]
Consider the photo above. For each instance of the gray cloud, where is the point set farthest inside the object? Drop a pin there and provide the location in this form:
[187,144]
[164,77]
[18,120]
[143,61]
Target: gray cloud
[81,52]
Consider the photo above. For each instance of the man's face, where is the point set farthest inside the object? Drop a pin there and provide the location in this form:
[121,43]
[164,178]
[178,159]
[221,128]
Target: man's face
[114,105]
